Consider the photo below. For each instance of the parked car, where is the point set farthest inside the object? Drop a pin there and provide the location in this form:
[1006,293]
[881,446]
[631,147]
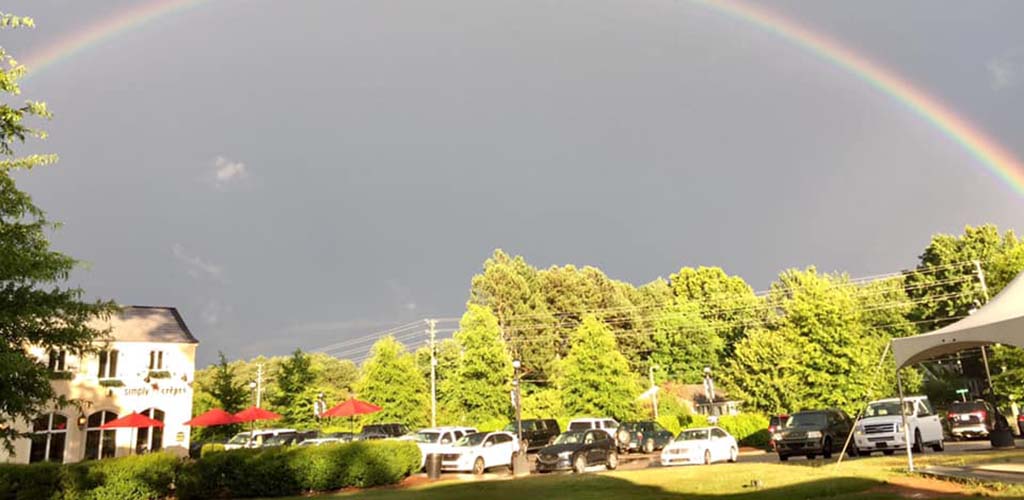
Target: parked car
[881,429]
[387,430]
[775,424]
[577,450]
[319,441]
[701,446]
[480,451]
[608,425]
[971,419]
[813,433]
[344,437]
[644,436]
[288,438]
[537,432]
[253,438]
[437,439]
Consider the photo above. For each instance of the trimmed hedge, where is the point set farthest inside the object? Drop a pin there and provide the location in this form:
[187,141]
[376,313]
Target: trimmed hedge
[290,471]
[749,429]
[265,472]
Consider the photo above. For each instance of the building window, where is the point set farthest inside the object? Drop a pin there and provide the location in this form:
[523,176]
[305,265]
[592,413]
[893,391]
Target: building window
[156,360]
[57,360]
[150,438]
[108,364]
[49,433]
[99,443]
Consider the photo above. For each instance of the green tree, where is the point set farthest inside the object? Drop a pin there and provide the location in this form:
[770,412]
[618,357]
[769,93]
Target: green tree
[684,343]
[296,392]
[224,392]
[768,372]
[595,379]
[390,380]
[36,308]
[727,303]
[478,391]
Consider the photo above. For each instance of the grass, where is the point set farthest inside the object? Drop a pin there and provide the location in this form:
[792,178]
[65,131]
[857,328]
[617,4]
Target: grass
[864,479]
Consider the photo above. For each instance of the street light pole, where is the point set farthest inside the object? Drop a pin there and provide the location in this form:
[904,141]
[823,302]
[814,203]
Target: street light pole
[519,402]
[654,391]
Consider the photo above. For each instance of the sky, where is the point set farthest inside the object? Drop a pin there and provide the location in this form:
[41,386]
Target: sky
[291,175]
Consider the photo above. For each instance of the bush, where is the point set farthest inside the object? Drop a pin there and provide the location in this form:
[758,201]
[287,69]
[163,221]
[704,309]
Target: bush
[137,477]
[692,420]
[749,429]
[290,471]
[210,448]
[29,482]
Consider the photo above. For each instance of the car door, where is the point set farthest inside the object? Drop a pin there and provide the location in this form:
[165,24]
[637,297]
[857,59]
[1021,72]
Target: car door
[591,446]
[661,436]
[719,444]
[928,422]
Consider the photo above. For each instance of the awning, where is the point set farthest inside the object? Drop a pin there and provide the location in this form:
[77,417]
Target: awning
[1001,321]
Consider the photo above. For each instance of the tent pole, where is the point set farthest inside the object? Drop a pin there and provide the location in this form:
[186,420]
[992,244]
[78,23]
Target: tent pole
[906,429]
[867,395]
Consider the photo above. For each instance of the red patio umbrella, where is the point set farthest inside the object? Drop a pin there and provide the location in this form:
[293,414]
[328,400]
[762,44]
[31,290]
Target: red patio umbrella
[253,413]
[213,417]
[351,408]
[132,421]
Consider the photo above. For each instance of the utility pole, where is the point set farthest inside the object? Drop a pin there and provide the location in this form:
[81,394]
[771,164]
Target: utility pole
[984,355]
[654,391]
[432,323]
[259,384]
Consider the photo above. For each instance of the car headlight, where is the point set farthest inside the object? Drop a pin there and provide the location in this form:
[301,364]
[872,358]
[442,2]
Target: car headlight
[777,436]
[814,435]
[565,454]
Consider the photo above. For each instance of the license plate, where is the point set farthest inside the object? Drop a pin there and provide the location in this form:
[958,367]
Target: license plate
[881,445]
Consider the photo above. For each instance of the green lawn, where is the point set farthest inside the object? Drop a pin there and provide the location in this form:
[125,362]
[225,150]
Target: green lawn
[874,478]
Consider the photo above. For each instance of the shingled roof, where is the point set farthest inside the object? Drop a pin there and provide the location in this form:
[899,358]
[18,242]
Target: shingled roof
[149,324]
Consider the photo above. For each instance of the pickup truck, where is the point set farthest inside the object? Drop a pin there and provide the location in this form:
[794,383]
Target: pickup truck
[881,428]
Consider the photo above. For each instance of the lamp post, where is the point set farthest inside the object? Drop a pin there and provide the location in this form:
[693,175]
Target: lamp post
[654,390]
[709,390]
[519,403]
[252,388]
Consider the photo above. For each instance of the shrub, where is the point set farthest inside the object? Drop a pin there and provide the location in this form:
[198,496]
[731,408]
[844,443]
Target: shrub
[210,448]
[137,477]
[29,482]
[289,471]
[691,421]
[749,429]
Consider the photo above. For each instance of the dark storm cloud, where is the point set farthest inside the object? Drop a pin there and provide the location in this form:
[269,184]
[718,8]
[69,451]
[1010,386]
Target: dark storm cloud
[291,175]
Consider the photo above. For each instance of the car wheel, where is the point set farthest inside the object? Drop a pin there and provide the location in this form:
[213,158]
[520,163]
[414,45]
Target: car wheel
[478,466]
[734,454]
[888,453]
[940,446]
[707,457]
[826,449]
[852,451]
[579,465]
[918,445]
[783,458]
[613,461]
[649,446]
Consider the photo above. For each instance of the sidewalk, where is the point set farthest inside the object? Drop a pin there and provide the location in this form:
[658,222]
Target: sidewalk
[1009,473]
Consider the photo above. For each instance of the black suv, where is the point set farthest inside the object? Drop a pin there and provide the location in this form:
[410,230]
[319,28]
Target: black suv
[644,436]
[576,450]
[813,433]
[377,431]
[971,419]
[537,432]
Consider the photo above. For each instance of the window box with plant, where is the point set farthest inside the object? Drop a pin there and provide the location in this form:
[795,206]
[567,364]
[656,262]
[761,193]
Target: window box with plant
[159,374]
[62,375]
[111,382]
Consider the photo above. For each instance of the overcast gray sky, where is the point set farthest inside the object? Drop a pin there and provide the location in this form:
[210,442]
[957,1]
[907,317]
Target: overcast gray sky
[290,174]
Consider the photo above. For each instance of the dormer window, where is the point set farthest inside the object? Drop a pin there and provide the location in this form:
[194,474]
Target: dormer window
[57,360]
[108,364]
[156,360]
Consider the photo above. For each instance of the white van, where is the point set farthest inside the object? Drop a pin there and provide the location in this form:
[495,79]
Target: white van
[254,438]
[608,425]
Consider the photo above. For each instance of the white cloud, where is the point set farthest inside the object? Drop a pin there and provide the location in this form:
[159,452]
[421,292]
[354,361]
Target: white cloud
[213,312]
[195,266]
[1005,71]
[227,171]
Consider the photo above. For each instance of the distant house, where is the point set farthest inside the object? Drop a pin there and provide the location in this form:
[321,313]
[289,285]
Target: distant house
[693,396]
[147,366]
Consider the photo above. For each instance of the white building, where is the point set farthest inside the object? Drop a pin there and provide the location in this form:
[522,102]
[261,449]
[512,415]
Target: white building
[147,366]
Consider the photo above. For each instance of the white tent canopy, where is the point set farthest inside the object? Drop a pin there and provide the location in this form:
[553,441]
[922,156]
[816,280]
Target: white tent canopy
[1001,321]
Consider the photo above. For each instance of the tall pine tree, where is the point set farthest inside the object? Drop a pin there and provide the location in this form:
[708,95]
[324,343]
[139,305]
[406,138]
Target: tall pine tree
[594,378]
[390,380]
[478,392]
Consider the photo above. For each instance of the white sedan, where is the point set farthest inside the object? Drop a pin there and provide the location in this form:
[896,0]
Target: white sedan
[700,446]
[480,451]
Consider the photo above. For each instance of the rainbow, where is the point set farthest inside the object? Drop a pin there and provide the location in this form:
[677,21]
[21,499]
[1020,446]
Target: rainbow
[987,151]
[991,155]
[105,29]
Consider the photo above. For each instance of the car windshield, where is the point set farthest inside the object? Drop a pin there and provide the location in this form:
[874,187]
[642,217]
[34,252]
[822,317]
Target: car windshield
[240,438]
[426,437]
[693,435]
[811,419]
[774,421]
[885,408]
[471,439]
[636,426]
[579,426]
[278,439]
[570,437]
